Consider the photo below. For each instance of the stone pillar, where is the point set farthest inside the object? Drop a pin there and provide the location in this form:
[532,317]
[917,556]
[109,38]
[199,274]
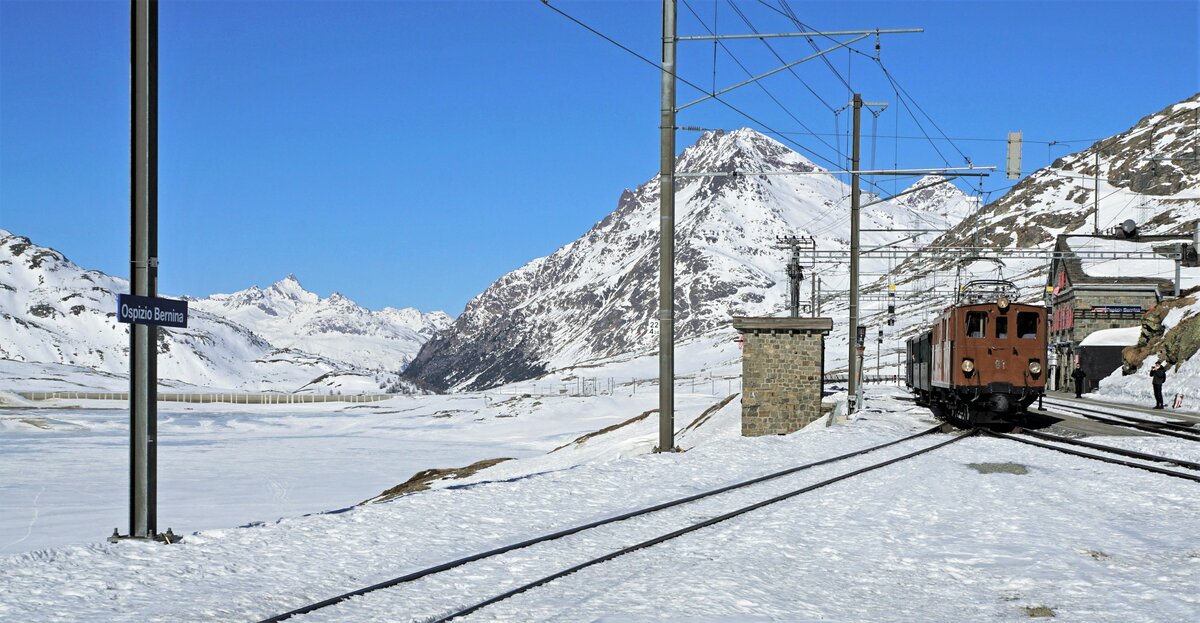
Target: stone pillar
[783,366]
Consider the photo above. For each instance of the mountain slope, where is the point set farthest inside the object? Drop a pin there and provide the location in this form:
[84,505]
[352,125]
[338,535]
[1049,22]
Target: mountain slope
[1148,173]
[282,338]
[597,296]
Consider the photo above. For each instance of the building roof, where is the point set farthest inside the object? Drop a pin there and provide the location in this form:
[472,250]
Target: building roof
[1145,272]
[782,323]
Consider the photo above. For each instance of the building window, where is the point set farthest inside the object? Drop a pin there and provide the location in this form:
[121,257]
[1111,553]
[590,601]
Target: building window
[976,324]
[1027,325]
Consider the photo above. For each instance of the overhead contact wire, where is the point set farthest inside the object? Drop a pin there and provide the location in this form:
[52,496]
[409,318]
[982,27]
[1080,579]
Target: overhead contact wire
[689,83]
[749,73]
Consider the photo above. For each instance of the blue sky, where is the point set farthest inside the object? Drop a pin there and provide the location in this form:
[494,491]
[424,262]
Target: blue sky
[410,153]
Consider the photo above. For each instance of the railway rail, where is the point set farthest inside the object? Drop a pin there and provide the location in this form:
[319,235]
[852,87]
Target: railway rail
[1105,459]
[1134,454]
[462,611]
[1170,429]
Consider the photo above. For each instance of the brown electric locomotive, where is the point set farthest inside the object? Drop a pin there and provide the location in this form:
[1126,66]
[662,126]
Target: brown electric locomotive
[983,361]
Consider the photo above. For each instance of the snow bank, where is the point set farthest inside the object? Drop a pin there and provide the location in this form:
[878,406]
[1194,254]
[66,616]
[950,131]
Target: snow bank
[1127,336]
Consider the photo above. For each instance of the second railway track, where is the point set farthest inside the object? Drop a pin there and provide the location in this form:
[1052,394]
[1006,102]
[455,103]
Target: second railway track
[588,544]
[1113,418]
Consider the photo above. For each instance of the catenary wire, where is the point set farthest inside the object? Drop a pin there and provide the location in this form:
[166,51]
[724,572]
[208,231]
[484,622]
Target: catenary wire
[749,73]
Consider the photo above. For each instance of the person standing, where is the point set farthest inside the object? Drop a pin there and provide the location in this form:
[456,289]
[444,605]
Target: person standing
[1079,377]
[1158,374]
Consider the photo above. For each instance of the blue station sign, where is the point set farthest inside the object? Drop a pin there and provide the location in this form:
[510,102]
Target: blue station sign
[151,310]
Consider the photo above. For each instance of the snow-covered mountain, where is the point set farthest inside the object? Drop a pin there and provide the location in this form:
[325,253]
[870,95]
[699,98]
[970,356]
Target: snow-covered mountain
[290,317]
[935,197]
[597,296]
[281,338]
[1148,173]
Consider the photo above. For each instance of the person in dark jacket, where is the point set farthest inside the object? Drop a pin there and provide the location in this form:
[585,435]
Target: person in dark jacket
[1079,377]
[1159,375]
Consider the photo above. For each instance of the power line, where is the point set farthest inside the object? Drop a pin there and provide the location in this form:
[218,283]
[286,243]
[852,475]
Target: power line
[749,73]
[735,109]
[777,55]
[895,82]
[896,90]
[790,14]
[957,138]
[687,82]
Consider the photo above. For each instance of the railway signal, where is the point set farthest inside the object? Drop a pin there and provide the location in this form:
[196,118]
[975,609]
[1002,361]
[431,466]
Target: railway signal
[891,305]
[795,271]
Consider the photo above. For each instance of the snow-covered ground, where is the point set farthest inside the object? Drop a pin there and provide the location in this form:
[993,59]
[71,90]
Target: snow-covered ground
[1136,388]
[931,539]
[64,472]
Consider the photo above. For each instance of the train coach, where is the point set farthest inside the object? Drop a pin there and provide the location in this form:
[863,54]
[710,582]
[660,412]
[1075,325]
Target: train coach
[983,360]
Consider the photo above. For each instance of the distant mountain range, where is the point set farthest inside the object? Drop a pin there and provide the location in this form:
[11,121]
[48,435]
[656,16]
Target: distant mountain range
[596,297]
[282,338]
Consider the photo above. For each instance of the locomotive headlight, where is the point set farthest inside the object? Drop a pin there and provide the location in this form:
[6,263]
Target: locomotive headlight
[1002,303]
[1035,368]
[968,366]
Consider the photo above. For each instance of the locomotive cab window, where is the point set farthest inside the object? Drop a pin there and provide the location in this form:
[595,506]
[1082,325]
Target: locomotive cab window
[976,324]
[1001,327]
[1027,325]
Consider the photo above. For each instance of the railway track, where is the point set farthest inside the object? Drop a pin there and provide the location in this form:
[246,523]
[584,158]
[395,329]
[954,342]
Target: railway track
[1170,429]
[1106,459]
[448,613]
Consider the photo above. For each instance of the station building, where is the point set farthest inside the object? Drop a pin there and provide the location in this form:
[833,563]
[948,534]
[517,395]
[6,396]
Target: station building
[1104,289]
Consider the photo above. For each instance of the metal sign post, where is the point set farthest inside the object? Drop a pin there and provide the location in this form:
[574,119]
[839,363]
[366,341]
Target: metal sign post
[143,281]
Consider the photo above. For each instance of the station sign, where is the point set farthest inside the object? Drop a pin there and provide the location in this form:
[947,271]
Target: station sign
[1116,309]
[151,310]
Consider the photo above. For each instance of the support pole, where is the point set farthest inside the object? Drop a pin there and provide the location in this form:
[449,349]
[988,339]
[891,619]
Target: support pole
[1096,198]
[795,275]
[666,267]
[143,281]
[1178,263]
[813,285]
[855,387]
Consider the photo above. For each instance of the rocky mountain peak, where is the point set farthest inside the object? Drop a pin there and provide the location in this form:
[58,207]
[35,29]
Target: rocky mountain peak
[289,289]
[743,150]
[940,198]
[597,296]
[52,311]
[1147,173]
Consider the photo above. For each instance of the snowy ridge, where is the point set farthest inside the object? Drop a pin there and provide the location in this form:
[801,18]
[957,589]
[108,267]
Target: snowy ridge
[943,198]
[597,296]
[278,339]
[1162,196]
[290,317]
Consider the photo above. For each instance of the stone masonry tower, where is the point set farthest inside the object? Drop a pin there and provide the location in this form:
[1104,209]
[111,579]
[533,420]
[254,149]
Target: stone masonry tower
[783,365]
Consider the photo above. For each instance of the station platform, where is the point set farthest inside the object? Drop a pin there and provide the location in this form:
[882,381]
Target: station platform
[1183,415]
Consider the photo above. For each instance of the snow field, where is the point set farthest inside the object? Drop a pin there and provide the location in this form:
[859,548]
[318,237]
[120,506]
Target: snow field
[64,472]
[928,539]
